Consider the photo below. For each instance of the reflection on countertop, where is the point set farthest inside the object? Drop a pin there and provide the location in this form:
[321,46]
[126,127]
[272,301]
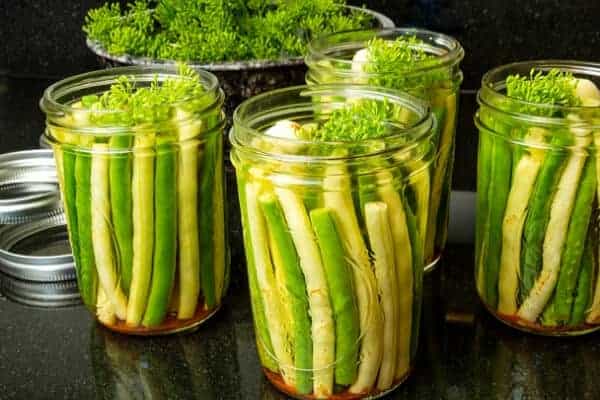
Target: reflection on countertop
[464,353]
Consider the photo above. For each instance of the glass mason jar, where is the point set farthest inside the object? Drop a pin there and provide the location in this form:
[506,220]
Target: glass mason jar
[537,219]
[331,60]
[334,239]
[144,203]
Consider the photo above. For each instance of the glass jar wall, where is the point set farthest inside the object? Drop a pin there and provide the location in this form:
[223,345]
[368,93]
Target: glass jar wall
[424,64]
[537,228]
[334,237]
[143,189]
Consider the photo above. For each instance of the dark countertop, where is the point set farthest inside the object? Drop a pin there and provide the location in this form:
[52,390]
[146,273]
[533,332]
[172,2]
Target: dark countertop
[464,353]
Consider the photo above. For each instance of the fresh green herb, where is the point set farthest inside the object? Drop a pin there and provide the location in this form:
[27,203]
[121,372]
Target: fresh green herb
[555,88]
[392,55]
[217,30]
[362,120]
[392,63]
[128,104]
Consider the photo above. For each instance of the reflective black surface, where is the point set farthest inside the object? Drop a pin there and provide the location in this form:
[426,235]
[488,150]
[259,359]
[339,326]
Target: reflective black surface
[464,353]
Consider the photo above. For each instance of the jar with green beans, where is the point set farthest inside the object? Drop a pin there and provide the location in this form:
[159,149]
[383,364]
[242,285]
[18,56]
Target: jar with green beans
[139,154]
[537,196]
[422,63]
[334,194]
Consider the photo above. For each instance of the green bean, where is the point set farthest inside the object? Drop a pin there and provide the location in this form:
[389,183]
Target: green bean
[556,235]
[102,239]
[143,226]
[258,240]
[417,242]
[206,210]
[500,170]
[445,151]
[575,242]
[518,134]
[440,117]
[219,232]
[583,292]
[338,198]
[421,187]
[105,310]
[339,280]
[382,248]
[482,223]
[265,348]
[537,217]
[524,176]
[284,251]
[121,205]
[484,176]
[403,260]
[165,232]
[417,191]
[69,162]
[593,316]
[323,335]
[367,192]
[88,277]
[443,215]
[187,207]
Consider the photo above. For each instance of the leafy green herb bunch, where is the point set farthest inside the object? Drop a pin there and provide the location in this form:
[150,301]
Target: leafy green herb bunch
[217,30]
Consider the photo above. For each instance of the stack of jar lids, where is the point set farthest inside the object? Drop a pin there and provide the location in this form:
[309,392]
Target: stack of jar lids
[36,265]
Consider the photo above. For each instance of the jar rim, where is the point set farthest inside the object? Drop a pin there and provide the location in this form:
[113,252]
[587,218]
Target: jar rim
[242,133]
[493,85]
[51,104]
[447,49]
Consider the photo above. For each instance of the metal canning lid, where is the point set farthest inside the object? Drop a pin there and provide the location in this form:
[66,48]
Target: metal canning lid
[37,251]
[40,294]
[28,186]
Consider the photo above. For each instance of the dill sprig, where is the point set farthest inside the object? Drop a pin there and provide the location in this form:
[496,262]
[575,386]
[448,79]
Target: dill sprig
[217,30]
[393,55]
[554,87]
[361,120]
[127,104]
[396,63]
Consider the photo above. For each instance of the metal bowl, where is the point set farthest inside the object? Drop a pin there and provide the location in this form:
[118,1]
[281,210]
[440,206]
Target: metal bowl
[125,59]
[239,79]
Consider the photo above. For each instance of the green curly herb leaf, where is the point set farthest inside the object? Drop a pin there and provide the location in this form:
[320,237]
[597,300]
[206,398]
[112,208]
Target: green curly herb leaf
[217,30]
[392,55]
[392,63]
[551,88]
[127,104]
[357,121]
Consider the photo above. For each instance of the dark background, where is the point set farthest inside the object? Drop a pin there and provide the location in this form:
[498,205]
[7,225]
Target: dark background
[41,41]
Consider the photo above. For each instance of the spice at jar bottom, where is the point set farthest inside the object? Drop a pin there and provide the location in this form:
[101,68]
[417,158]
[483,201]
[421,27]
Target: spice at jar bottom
[537,196]
[334,203]
[140,164]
